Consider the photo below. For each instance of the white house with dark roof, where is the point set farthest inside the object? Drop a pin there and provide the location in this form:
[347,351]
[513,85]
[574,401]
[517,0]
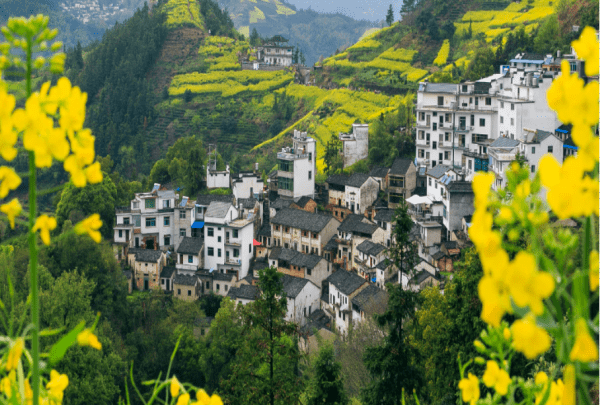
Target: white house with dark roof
[342,287]
[360,192]
[402,181]
[381,176]
[501,153]
[246,185]
[189,255]
[166,278]
[228,240]
[302,298]
[539,143]
[369,301]
[291,262]
[425,275]
[185,287]
[384,218]
[302,231]
[352,232]
[216,282]
[457,198]
[244,294]
[369,255]
[147,265]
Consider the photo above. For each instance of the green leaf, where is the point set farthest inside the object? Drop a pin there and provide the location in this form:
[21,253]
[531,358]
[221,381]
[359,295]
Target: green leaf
[60,348]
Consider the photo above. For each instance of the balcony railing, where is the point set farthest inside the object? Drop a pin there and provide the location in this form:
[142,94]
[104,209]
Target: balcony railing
[233,262]
[291,156]
[463,128]
[231,242]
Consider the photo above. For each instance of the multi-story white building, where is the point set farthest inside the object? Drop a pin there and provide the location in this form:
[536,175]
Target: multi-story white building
[343,287]
[355,146]
[297,167]
[228,240]
[275,54]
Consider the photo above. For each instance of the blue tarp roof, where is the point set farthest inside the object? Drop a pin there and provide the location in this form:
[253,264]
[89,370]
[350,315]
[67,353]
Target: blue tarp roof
[562,130]
[197,225]
[570,147]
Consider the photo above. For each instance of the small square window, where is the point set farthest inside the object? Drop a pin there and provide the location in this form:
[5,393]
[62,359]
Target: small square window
[166,221]
[190,259]
[532,168]
[210,231]
[210,251]
[550,148]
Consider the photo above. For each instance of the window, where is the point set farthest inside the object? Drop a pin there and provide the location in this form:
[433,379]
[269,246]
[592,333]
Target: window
[421,153]
[430,181]
[464,88]
[120,233]
[235,233]
[218,252]
[150,222]
[167,240]
[512,121]
[218,239]
[435,184]
[250,248]
[189,293]
[135,205]
[207,284]
[501,104]
[182,214]
[472,120]
[447,155]
[501,120]
[166,203]
[218,286]
[470,164]
[447,137]
[308,271]
[190,259]
[182,232]
[488,101]
[532,168]
[550,148]
[166,221]
[434,145]
[533,149]
[482,122]
[236,253]
[512,106]
[210,252]
[440,100]
[435,126]
[309,174]
[150,203]
[226,287]
[210,231]
[179,291]
[126,221]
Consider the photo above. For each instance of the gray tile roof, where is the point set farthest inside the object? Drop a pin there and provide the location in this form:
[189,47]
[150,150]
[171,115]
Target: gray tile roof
[217,209]
[280,203]
[504,143]
[258,264]
[384,264]
[386,215]
[379,172]
[422,276]
[128,274]
[302,201]
[400,166]
[244,291]
[206,199]
[438,171]
[370,248]
[248,202]
[315,321]
[441,88]
[222,276]
[280,253]
[305,260]
[167,272]
[460,187]
[370,299]
[357,180]
[438,255]
[265,230]
[293,285]
[541,135]
[302,219]
[338,179]
[190,246]
[346,281]
[357,224]
[331,245]
[182,279]
[146,255]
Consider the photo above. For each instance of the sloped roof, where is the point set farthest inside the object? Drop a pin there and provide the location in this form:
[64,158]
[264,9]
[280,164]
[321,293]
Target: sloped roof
[460,187]
[301,219]
[315,321]
[541,135]
[379,172]
[438,171]
[206,199]
[385,215]
[265,230]
[504,143]
[258,264]
[422,276]
[191,246]
[244,291]
[280,253]
[222,276]
[167,272]
[147,255]
[302,201]
[440,88]
[357,180]
[357,223]
[370,299]
[370,248]
[346,281]
[217,209]
[293,285]
[281,203]
[400,166]
[331,245]
[338,179]
[305,260]
[182,279]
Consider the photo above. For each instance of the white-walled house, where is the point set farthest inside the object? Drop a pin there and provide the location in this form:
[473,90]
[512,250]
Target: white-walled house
[217,178]
[343,286]
[297,167]
[360,192]
[539,143]
[246,185]
[369,256]
[190,255]
[244,294]
[355,146]
[291,262]
[228,241]
[302,298]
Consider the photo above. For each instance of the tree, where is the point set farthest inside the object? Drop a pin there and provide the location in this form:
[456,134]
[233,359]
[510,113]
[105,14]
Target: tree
[547,37]
[402,251]
[254,37]
[393,364]
[332,159]
[302,58]
[389,18]
[408,6]
[78,203]
[266,365]
[382,149]
[433,29]
[448,29]
[481,65]
[326,386]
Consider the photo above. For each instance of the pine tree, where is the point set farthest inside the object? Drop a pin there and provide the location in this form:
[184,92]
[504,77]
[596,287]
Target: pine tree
[389,18]
[327,386]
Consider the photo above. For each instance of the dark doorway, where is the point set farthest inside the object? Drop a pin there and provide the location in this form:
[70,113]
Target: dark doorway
[150,244]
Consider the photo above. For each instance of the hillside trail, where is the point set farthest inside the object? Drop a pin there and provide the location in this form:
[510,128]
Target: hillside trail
[190,10]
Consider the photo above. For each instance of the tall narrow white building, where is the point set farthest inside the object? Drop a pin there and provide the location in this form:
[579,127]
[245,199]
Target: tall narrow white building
[297,167]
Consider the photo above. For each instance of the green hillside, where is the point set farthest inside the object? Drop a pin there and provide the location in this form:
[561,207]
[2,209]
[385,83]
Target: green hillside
[314,33]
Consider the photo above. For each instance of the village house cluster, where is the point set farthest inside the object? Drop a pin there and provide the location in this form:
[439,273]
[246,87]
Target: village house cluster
[332,241]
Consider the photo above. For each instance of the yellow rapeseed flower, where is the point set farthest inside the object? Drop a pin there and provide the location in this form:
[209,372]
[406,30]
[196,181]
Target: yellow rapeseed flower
[527,285]
[506,333]
[469,388]
[568,395]
[184,399]
[14,355]
[90,226]
[8,135]
[9,180]
[174,387]
[44,224]
[556,390]
[481,188]
[528,338]
[12,210]
[87,338]
[496,378]
[587,48]
[594,276]
[584,349]
[56,386]
[203,399]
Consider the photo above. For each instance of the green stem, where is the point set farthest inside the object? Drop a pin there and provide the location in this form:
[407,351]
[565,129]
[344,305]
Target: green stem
[35,310]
